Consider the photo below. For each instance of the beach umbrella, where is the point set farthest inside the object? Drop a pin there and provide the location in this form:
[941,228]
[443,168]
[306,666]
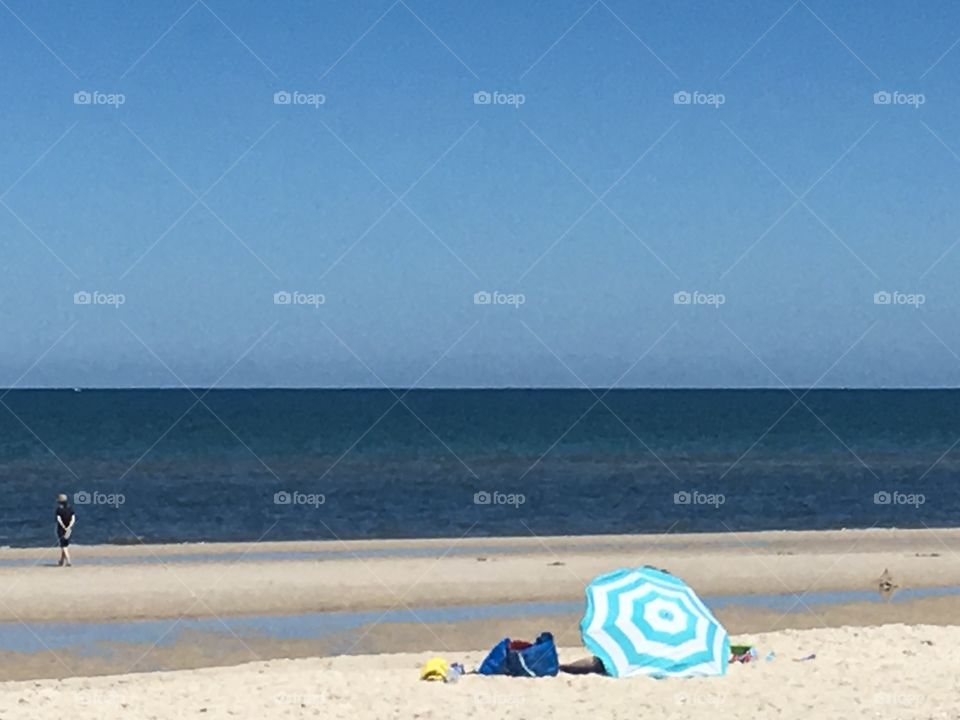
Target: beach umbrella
[648,622]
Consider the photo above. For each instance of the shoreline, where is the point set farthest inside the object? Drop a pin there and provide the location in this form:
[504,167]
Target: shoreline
[284,578]
[199,606]
[530,542]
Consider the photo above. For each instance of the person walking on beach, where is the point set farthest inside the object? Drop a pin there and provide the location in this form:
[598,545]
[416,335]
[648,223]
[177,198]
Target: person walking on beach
[66,518]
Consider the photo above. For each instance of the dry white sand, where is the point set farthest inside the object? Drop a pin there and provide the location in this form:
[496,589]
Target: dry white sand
[890,672]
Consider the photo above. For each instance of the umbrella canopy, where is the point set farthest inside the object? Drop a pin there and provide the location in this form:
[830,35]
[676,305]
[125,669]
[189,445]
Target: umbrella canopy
[648,622]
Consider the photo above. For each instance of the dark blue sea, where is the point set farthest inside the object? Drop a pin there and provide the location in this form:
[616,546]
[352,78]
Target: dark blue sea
[176,466]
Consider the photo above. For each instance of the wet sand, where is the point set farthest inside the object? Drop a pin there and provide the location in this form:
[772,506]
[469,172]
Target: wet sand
[225,582]
[174,650]
[231,579]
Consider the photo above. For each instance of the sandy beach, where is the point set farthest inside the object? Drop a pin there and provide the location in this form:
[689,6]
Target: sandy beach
[340,336]
[895,671]
[180,630]
[199,580]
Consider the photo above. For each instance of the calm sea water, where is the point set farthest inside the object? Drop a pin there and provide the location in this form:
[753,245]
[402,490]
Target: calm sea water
[159,466]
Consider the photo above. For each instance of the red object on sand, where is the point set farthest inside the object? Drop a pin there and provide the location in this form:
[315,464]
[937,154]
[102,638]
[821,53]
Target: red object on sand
[519,645]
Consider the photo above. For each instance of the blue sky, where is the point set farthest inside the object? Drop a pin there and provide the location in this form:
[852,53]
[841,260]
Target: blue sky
[784,190]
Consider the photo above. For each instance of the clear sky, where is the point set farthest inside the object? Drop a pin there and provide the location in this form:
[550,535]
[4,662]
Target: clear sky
[587,193]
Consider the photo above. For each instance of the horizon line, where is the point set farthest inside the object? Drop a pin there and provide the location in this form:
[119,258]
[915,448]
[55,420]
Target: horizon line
[453,388]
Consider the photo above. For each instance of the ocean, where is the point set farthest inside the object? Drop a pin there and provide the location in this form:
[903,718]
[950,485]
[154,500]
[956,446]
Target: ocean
[244,465]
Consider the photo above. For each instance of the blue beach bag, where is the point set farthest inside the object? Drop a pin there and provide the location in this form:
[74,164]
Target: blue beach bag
[522,659]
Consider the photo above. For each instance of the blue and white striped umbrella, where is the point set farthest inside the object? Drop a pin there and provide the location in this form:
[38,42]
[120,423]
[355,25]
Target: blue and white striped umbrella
[648,622]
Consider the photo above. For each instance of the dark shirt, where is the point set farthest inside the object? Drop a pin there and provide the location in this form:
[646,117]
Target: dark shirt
[65,513]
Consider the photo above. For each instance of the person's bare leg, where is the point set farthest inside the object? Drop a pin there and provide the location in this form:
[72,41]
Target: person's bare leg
[584,666]
[62,557]
[66,556]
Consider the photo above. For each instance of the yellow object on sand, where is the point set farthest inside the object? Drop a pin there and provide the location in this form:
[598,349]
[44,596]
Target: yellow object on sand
[434,669]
